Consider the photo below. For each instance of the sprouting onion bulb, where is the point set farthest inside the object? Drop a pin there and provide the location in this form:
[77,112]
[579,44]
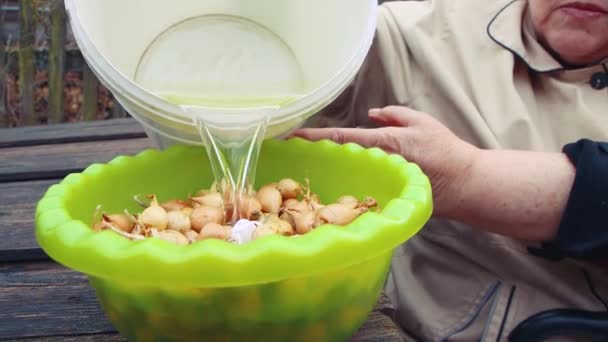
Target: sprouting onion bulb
[289,188]
[283,209]
[202,216]
[270,199]
[154,216]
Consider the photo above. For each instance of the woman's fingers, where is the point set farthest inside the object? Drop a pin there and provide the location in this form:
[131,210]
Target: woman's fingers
[394,116]
[340,135]
[388,138]
[365,137]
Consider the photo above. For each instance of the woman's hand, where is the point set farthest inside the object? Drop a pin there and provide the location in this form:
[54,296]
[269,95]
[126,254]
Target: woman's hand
[520,194]
[419,138]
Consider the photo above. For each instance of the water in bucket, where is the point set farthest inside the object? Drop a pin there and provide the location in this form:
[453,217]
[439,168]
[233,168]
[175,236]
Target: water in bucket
[192,65]
[225,74]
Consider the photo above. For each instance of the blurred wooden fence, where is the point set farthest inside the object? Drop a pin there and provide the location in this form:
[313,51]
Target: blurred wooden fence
[43,76]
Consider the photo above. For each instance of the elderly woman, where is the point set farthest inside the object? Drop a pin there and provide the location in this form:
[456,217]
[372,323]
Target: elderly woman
[518,84]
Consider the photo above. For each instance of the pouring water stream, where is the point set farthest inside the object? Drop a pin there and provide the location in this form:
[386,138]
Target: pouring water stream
[233,140]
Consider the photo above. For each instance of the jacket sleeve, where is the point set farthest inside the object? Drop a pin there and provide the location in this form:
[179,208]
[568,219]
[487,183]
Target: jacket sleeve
[583,230]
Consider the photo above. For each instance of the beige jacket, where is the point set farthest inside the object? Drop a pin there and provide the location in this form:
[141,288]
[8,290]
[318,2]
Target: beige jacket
[476,66]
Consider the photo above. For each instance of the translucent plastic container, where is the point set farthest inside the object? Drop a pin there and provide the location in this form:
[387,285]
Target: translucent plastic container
[289,57]
[318,287]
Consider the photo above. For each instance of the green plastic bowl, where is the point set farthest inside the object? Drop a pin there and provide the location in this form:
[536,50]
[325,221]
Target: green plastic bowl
[318,287]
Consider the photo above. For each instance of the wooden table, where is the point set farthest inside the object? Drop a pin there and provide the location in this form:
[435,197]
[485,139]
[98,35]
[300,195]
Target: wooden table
[39,299]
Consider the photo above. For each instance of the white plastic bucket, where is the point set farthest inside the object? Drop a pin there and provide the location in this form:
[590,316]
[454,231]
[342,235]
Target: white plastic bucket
[238,54]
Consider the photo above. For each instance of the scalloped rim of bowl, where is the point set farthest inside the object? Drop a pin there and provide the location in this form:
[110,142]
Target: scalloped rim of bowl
[107,255]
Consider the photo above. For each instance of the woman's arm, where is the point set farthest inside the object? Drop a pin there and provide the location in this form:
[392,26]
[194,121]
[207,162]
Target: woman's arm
[557,199]
[516,193]
[513,193]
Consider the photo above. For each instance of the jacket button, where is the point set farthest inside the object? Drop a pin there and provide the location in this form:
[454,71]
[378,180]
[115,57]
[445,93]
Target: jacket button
[599,80]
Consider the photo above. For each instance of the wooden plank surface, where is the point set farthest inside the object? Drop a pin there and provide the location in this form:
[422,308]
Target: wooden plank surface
[17,205]
[57,161]
[75,338]
[44,165]
[44,299]
[70,133]
[112,337]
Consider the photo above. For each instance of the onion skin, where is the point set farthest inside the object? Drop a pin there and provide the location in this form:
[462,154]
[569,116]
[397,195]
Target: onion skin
[349,201]
[192,236]
[175,205]
[263,231]
[295,205]
[119,221]
[202,216]
[279,226]
[179,221]
[214,231]
[214,200]
[289,189]
[154,216]
[250,208]
[306,222]
[338,214]
[173,237]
